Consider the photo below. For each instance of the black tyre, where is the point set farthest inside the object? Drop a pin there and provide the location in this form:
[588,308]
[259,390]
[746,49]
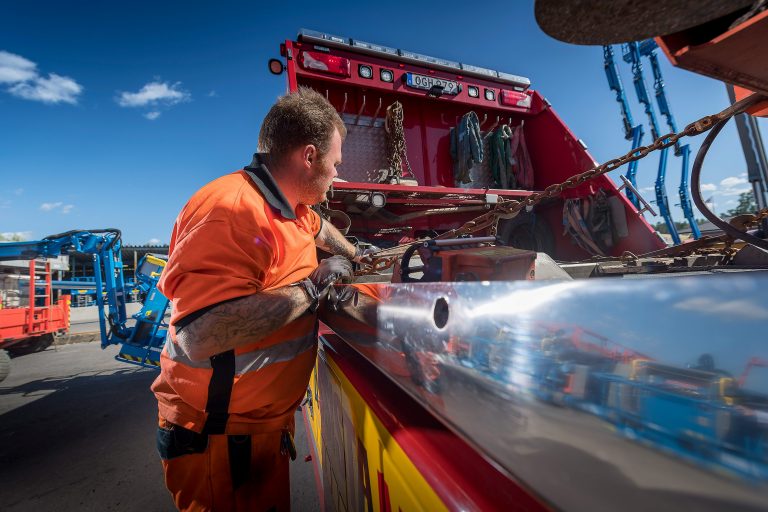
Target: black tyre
[32,345]
[527,231]
[5,365]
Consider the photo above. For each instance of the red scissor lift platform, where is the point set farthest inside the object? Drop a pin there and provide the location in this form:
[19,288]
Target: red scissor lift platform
[31,327]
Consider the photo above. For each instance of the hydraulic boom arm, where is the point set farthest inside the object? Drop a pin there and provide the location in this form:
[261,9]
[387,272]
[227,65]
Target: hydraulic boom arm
[142,342]
[632,55]
[632,131]
[648,49]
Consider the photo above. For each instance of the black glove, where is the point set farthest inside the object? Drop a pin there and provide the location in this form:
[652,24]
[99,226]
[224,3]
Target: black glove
[339,295]
[330,270]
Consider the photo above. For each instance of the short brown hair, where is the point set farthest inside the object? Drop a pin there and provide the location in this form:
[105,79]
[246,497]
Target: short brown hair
[298,119]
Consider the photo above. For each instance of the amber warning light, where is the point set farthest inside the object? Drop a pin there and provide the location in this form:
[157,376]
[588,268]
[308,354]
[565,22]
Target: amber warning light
[325,63]
[275,66]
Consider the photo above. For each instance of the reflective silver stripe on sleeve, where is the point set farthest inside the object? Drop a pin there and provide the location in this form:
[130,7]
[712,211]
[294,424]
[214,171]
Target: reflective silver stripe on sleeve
[176,355]
[280,352]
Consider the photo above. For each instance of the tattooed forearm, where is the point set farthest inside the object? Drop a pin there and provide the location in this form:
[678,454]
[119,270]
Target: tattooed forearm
[331,240]
[241,321]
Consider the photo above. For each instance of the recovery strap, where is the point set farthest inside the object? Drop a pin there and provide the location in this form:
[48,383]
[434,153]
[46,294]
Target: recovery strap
[220,392]
[466,146]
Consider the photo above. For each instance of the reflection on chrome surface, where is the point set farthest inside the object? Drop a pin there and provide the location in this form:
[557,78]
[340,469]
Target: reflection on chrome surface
[597,394]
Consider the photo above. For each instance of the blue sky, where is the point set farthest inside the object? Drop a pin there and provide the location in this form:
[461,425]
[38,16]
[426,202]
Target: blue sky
[113,113]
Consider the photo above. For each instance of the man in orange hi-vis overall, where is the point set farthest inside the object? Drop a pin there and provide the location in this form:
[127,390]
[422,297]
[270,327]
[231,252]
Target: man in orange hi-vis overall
[245,283]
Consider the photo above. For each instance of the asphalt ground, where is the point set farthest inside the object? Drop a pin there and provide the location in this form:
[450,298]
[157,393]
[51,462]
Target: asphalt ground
[77,432]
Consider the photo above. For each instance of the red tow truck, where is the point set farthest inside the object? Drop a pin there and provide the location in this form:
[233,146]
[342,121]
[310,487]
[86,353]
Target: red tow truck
[378,449]
[401,416]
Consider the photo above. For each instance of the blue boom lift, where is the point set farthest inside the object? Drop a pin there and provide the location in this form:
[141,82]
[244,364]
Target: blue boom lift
[632,131]
[632,52]
[140,342]
[648,49]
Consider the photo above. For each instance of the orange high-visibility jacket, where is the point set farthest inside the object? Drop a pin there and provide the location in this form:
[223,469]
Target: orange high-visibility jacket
[237,236]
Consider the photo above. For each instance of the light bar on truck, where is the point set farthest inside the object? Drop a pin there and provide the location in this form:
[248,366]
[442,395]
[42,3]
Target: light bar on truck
[418,58]
[325,63]
[313,36]
[374,49]
[520,83]
[477,70]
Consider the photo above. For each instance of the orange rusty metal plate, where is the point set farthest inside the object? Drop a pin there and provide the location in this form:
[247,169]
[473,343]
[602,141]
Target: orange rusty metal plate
[736,56]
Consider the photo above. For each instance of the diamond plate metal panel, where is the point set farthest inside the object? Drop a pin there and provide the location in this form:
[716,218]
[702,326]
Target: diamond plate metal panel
[364,150]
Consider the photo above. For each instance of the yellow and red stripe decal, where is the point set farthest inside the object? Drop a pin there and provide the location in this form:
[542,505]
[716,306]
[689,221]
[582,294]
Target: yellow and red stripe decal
[386,479]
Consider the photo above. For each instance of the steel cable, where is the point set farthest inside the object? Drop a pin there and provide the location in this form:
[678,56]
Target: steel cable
[696,191]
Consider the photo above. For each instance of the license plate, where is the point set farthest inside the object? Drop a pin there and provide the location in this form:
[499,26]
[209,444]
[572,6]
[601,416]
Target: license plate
[427,82]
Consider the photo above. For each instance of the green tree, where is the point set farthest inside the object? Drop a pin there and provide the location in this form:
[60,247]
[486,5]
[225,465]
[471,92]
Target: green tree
[746,205]
[661,226]
[11,237]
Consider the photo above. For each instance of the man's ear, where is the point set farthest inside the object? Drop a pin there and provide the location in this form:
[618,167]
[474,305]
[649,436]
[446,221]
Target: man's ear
[309,154]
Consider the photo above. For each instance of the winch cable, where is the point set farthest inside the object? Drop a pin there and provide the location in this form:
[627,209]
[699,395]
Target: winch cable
[510,207]
[701,205]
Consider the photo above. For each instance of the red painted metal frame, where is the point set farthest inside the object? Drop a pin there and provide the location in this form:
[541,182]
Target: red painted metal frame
[399,87]
[555,152]
[454,470]
[18,324]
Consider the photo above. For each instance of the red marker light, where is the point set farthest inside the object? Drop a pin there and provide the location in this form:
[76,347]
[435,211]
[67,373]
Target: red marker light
[325,63]
[515,99]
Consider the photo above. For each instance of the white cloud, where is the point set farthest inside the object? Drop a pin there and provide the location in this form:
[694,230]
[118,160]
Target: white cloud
[24,81]
[213,94]
[15,68]
[57,206]
[729,309]
[54,89]
[154,93]
[46,207]
[732,181]
[732,186]
[708,187]
[18,191]
[735,191]
[152,115]
[154,241]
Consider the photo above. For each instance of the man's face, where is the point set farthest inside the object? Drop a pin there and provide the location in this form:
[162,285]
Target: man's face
[322,172]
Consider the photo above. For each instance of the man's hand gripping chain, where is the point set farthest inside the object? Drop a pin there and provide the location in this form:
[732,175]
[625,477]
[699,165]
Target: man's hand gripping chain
[320,281]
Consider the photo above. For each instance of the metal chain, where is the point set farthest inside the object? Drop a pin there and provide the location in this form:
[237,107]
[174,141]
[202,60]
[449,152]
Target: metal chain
[511,207]
[396,143]
[757,217]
